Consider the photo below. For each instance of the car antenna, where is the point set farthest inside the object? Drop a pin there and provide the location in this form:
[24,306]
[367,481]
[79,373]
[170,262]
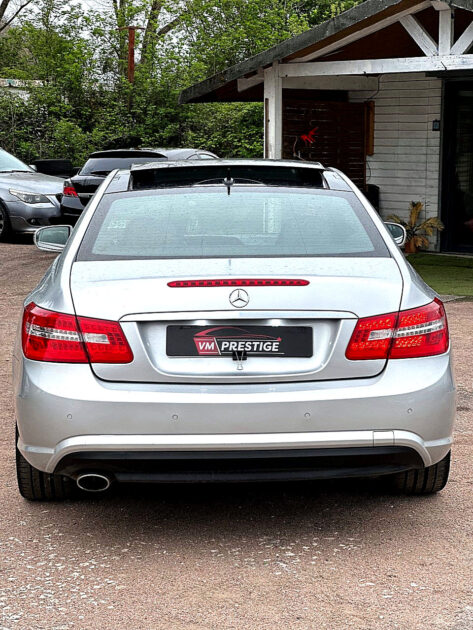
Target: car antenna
[228,182]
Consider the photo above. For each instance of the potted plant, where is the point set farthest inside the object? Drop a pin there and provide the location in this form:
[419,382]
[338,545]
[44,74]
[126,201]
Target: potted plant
[417,231]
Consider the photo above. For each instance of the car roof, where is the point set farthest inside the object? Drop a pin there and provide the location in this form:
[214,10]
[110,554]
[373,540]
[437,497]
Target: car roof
[233,162]
[179,153]
[126,153]
[185,153]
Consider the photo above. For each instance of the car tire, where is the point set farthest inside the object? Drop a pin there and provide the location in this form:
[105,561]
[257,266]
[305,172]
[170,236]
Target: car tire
[5,225]
[424,481]
[36,485]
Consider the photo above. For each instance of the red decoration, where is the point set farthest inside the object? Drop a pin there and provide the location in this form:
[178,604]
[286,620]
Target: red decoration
[309,138]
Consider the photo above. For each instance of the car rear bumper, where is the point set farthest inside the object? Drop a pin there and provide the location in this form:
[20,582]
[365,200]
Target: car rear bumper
[64,410]
[71,209]
[246,465]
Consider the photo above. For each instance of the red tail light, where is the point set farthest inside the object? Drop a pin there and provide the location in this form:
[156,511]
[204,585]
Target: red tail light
[421,332]
[418,332]
[49,336]
[61,338]
[372,337]
[69,190]
[104,341]
[239,282]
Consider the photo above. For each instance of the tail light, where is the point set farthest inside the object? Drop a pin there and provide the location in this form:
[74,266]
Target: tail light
[68,189]
[418,332]
[239,282]
[61,338]
[421,332]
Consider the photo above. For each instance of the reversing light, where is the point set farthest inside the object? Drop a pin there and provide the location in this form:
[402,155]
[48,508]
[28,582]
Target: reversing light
[239,282]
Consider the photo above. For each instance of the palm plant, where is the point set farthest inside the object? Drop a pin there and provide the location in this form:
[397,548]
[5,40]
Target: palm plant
[418,232]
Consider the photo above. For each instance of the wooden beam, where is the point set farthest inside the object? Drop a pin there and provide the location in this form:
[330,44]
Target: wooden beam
[464,42]
[445,31]
[439,5]
[350,84]
[272,113]
[363,32]
[419,35]
[249,82]
[376,66]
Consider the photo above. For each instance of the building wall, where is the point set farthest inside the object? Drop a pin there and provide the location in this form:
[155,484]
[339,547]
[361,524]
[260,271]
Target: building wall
[406,160]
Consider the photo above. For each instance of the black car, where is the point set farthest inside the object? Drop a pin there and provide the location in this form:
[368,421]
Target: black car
[79,189]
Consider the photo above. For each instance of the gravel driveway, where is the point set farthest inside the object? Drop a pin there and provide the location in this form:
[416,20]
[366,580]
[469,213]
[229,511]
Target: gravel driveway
[331,555]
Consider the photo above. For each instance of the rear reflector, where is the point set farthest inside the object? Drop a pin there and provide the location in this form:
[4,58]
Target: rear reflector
[238,282]
[61,338]
[418,332]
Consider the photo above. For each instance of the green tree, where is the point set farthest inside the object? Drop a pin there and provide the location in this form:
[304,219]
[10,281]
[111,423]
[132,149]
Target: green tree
[79,56]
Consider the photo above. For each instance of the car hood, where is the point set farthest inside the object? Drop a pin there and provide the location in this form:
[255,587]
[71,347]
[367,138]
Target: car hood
[32,182]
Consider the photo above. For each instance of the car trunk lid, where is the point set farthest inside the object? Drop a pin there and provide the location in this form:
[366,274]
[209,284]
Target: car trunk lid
[306,328]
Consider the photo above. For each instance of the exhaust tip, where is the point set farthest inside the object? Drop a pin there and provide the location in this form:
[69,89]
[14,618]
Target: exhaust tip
[93,482]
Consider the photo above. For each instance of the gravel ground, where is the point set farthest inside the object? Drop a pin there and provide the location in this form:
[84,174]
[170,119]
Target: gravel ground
[332,555]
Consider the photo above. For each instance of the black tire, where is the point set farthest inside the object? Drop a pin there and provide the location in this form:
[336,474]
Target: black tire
[36,485]
[424,481]
[5,225]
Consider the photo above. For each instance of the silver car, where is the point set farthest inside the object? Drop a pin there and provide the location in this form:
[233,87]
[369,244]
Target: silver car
[28,199]
[230,320]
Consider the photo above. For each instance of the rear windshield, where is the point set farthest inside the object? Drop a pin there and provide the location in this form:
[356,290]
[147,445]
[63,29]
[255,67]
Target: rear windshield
[104,166]
[206,222]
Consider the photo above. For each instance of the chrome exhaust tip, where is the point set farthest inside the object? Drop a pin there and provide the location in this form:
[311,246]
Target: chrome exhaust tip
[93,482]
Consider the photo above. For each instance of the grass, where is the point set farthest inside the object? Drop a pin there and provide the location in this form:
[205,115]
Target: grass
[448,275]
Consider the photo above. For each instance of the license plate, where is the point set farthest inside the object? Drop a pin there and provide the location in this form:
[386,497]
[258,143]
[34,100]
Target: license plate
[221,341]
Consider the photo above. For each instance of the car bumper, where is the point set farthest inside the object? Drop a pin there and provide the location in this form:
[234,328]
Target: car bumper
[244,465]
[27,218]
[64,410]
[71,209]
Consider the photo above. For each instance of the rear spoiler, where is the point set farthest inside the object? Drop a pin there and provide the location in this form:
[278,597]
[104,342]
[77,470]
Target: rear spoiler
[277,173]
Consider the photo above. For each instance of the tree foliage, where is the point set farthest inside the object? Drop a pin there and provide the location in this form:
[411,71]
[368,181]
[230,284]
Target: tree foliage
[79,54]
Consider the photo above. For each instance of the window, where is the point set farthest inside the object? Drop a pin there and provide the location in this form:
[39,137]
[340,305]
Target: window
[103,166]
[10,163]
[206,222]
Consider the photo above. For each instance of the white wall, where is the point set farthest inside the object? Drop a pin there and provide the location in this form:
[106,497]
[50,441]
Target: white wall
[406,161]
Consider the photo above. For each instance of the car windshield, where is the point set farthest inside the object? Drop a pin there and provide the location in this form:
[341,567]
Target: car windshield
[10,163]
[103,166]
[206,222]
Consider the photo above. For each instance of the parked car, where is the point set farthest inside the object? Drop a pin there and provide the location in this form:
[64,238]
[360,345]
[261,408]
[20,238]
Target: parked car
[79,189]
[27,199]
[230,320]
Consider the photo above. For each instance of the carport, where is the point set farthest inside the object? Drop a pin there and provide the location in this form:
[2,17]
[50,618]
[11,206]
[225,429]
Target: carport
[385,93]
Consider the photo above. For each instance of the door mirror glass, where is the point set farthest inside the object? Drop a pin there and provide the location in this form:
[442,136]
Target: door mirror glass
[398,232]
[52,238]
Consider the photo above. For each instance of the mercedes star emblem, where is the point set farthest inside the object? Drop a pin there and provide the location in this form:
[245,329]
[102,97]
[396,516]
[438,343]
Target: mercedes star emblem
[239,298]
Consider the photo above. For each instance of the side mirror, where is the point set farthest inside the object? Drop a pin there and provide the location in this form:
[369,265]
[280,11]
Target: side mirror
[33,167]
[52,238]
[75,171]
[398,232]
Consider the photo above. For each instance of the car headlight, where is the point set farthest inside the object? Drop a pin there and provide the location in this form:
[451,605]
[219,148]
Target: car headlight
[29,197]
